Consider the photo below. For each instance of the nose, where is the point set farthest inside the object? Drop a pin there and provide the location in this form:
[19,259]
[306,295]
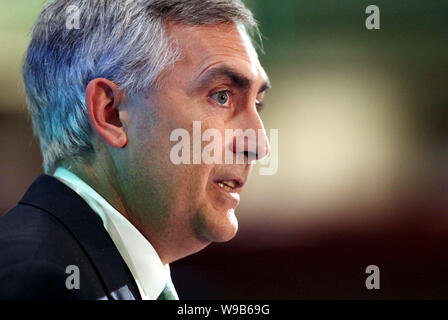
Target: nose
[250,137]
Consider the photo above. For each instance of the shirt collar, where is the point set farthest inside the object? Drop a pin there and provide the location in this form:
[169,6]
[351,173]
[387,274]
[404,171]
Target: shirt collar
[140,256]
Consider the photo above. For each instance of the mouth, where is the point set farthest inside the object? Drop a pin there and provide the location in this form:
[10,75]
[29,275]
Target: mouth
[230,185]
[227,191]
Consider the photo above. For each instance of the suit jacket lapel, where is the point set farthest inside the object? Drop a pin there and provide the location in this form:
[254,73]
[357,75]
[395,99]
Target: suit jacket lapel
[83,223]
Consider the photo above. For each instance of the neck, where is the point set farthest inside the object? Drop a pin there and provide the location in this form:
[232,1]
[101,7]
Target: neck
[102,180]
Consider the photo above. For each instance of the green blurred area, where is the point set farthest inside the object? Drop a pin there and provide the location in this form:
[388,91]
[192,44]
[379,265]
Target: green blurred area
[408,28]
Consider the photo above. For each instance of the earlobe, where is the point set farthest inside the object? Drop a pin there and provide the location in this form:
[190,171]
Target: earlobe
[103,98]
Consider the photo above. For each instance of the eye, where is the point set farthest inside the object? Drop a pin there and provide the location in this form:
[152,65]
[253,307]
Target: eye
[222,97]
[259,105]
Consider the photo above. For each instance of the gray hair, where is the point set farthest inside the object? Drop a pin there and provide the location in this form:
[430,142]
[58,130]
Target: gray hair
[121,40]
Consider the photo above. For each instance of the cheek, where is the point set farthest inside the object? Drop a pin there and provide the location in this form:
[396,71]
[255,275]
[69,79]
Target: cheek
[182,184]
[185,183]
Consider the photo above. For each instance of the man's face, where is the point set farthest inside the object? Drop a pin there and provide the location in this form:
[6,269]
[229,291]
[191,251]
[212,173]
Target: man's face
[219,82]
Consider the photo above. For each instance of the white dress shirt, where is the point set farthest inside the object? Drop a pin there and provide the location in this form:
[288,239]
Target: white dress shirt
[140,256]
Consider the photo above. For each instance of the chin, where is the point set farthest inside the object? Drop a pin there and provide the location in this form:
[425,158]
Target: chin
[221,228]
[228,230]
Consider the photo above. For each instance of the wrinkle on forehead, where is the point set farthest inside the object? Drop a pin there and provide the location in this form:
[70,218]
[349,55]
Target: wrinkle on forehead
[207,45]
[252,53]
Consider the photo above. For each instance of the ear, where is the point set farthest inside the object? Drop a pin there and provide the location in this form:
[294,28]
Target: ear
[103,98]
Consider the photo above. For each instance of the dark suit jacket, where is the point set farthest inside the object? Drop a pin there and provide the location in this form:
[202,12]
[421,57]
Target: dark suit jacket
[52,228]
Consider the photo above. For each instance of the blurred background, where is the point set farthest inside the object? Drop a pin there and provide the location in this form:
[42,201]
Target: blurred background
[363,166]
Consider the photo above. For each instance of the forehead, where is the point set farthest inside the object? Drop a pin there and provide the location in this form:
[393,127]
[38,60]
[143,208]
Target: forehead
[205,46]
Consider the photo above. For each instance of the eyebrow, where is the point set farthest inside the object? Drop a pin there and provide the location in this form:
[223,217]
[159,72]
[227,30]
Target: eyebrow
[238,79]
